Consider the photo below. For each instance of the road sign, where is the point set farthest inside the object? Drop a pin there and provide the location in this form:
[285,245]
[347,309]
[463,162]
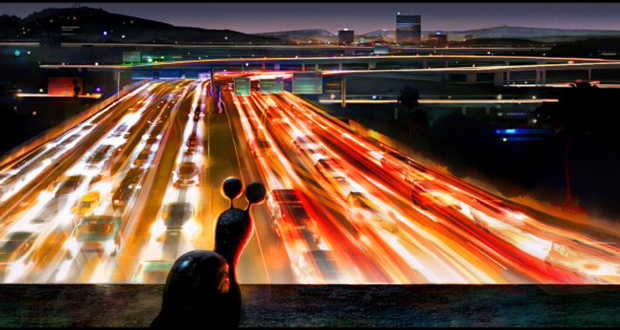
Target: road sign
[272,86]
[131,57]
[307,83]
[242,86]
[381,50]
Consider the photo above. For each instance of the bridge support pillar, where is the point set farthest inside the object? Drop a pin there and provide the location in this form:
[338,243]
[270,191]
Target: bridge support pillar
[276,66]
[264,66]
[543,77]
[464,110]
[447,63]
[372,65]
[316,67]
[487,111]
[507,77]
[117,79]
[472,78]
[424,64]
[498,78]
[303,67]
[589,74]
[340,66]
[343,92]
[538,77]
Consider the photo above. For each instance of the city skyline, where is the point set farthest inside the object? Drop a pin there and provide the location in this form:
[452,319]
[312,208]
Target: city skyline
[362,18]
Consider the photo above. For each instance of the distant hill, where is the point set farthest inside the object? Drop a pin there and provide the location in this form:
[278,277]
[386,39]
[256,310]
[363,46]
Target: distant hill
[304,35]
[88,25]
[512,32]
[541,34]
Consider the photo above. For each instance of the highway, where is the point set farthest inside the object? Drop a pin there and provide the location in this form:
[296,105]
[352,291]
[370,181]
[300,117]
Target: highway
[120,196]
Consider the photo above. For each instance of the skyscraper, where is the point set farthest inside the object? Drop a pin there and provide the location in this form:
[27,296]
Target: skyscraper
[408,29]
[346,36]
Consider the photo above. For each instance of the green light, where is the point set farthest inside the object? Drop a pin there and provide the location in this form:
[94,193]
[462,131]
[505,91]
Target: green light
[17,52]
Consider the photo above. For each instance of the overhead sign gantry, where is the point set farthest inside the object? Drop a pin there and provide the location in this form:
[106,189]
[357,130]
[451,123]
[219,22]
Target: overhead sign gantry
[272,86]
[307,83]
[242,86]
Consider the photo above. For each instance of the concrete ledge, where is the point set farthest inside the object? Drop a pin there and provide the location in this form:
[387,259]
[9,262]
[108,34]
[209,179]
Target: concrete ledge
[130,305]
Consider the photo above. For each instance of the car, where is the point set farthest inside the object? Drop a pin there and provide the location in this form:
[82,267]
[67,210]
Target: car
[308,144]
[278,197]
[119,130]
[87,204]
[153,271]
[69,140]
[175,215]
[319,263]
[192,145]
[142,158]
[497,208]
[187,173]
[93,162]
[126,189]
[361,209]
[581,259]
[296,224]
[152,140]
[15,247]
[401,164]
[334,174]
[87,127]
[274,115]
[260,147]
[289,216]
[154,122]
[330,167]
[68,185]
[98,233]
[424,195]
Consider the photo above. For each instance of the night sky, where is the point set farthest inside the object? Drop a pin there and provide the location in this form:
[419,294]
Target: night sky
[362,17]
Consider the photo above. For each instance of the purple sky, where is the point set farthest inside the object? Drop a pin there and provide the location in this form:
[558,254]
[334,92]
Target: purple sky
[362,17]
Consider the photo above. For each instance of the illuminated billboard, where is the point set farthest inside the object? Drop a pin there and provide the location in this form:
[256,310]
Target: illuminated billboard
[307,83]
[242,86]
[272,86]
[65,86]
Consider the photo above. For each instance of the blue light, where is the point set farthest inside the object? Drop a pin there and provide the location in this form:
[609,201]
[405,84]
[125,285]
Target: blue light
[438,33]
[522,131]
[374,97]
[105,33]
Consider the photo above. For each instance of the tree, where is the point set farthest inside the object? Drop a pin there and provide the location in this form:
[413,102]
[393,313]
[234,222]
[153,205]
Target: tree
[570,116]
[418,119]
[76,88]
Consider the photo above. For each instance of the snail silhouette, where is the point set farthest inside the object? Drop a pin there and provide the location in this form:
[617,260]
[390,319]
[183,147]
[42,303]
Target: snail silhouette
[195,292]
[233,230]
[202,288]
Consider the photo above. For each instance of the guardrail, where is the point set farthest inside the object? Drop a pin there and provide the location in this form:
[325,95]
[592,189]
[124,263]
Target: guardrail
[56,131]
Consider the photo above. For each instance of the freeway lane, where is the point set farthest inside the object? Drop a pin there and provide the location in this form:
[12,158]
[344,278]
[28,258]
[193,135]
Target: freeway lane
[120,196]
[516,240]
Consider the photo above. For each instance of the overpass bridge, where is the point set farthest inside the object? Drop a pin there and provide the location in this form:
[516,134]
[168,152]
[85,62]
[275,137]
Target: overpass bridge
[499,68]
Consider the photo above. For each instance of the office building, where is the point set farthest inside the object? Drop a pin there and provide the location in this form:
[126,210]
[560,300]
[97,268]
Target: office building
[438,39]
[346,36]
[408,29]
